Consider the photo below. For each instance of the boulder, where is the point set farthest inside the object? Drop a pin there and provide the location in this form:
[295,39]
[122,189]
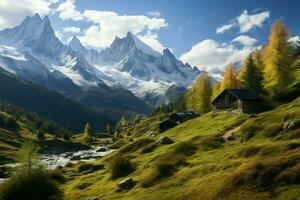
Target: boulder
[75,158]
[92,198]
[102,149]
[164,140]
[291,125]
[90,167]
[126,184]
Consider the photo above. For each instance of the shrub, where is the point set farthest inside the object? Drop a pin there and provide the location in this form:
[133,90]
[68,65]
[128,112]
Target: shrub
[36,186]
[7,121]
[211,142]
[165,164]
[136,145]
[119,166]
[149,148]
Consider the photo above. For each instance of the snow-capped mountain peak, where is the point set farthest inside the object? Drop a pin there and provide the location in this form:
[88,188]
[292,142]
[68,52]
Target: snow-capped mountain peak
[76,45]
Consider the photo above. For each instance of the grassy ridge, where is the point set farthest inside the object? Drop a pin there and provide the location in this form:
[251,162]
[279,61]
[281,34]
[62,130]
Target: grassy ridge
[261,161]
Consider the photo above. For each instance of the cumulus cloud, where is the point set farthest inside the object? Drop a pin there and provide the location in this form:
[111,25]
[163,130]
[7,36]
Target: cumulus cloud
[245,40]
[154,14]
[106,25]
[12,12]
[71,29]
[67,10]
[151,39]
[294,39]
[245,22]
[224,28]
[211,54]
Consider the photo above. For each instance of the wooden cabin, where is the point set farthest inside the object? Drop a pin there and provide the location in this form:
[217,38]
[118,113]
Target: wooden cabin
[175,119]
[180,117]
[242,100]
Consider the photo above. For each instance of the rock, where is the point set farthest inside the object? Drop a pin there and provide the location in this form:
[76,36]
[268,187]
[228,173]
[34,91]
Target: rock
[102,149]
[92,198]
[75,158]
[164,140]
[291,125]
[126,184]
[90,167]
[229,136]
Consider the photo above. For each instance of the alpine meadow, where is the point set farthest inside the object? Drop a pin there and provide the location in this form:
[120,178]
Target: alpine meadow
[152,100]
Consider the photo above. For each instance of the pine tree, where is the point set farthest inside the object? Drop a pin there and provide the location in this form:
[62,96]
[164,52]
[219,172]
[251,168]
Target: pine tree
[190,102]
[87,134]
[250,76]
[198,98]
[230,78]
[277,59]
[216,90]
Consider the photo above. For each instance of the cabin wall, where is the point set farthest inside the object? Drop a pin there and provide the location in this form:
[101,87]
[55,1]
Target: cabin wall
[252,106]
[227,101]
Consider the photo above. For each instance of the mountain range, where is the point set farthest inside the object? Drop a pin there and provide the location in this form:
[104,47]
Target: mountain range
[126,78]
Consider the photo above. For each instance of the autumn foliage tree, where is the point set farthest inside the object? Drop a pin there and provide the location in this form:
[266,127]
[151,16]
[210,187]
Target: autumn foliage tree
[229,78]
[87,134]
[199,97]
[216,90]
[277,58]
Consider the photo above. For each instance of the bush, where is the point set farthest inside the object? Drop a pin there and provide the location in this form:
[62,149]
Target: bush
[119,166]
[9,122]
[211,142]
[36,186]
[136,145]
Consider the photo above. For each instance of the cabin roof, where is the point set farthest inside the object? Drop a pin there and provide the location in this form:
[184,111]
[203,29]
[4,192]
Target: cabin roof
[242,94]
[185,114]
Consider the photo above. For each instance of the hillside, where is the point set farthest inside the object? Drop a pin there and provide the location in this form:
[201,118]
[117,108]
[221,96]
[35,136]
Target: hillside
[48,104]
[215,156]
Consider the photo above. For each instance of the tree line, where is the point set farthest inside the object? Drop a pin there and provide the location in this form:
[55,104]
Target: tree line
[267,71]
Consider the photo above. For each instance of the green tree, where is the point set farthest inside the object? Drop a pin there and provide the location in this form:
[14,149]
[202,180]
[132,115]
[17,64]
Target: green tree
[122,123]
[277,59]
[250,76]
[28,157]
[108,128]
[199,96]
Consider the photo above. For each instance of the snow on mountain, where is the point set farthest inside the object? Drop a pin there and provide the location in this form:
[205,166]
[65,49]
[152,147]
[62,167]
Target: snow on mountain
[33,52]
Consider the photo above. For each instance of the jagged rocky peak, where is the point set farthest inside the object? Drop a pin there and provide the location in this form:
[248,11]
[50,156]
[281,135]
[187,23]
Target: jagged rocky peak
[76,45]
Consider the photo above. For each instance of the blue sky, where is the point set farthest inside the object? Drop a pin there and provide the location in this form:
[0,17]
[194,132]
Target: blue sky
[187,27]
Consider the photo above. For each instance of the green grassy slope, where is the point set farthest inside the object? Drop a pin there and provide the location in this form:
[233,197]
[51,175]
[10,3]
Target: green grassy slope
[261,161]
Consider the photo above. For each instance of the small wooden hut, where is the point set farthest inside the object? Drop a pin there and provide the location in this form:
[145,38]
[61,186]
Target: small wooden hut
[242,100]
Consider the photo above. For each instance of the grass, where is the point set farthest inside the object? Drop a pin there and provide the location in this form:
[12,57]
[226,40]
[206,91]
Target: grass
[261,163]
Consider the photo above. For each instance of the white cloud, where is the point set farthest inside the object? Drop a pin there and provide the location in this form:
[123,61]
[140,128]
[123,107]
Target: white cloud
[72,29]
[245,22]
[151,40]
[245,40]
[67,10]
[106,25]
[154,14]
[58,34]
[211,54]
[12,12]
[224,28]
[294,39]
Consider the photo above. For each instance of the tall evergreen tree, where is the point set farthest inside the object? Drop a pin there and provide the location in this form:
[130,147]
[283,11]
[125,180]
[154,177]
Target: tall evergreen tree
[229,78]
[277,58]
[87,135]
[216,90]
[198,98]
[250,76]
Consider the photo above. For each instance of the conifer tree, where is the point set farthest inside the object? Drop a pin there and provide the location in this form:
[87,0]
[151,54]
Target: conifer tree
[216,90]
[87,134]
[198,98]
[277,58]
[250,76]
[230,78]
